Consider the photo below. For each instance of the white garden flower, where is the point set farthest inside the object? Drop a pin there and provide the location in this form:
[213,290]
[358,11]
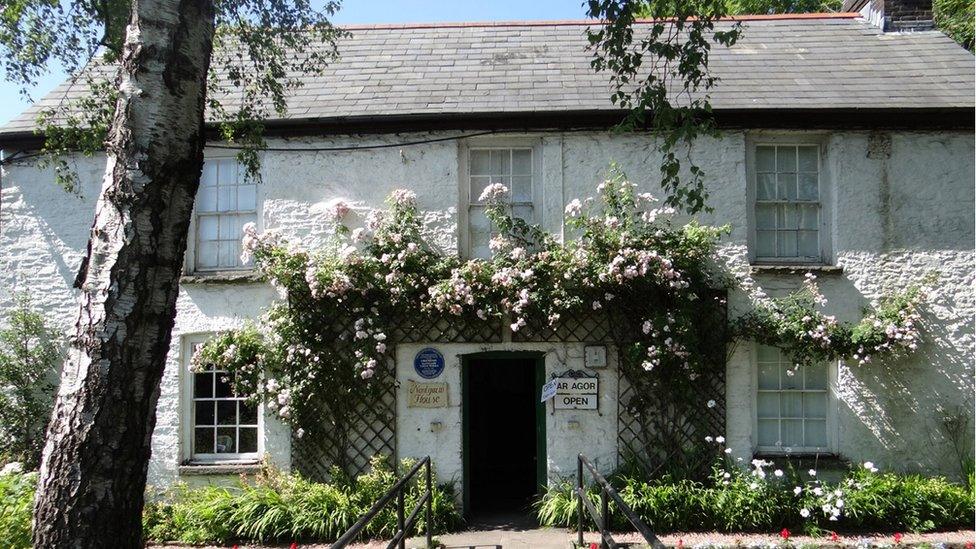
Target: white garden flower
[720,439]
[710,403]
[12,468]
[804,513]
[870,466]
[709,438]
[812,472]
[778,472]
[797,491]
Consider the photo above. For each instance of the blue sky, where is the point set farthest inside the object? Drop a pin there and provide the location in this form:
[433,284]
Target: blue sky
[370,11]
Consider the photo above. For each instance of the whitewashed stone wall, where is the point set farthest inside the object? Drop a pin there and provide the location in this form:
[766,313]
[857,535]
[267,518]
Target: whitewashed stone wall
[899,210]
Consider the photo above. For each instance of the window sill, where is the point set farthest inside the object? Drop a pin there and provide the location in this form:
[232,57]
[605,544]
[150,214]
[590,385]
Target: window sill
[801,461]
[221,277]
[220,468]
[795,269]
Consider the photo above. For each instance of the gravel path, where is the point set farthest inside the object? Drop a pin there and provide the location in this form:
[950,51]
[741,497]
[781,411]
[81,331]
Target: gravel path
[555,538]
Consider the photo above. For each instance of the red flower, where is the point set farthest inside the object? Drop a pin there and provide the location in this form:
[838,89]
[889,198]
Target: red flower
[594,546]
[293,545]
[681,543]
[898,537]
[834,536]
[785,534]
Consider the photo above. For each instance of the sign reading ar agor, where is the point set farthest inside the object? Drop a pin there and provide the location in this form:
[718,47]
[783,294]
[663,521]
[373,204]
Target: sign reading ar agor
[575,390]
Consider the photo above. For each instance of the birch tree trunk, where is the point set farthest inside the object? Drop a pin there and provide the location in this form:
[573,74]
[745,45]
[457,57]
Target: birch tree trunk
[93,471]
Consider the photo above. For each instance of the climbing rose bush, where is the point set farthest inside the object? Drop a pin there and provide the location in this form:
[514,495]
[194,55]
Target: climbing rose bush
[624,257]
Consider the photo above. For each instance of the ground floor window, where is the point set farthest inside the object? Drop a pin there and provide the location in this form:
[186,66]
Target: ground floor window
[221,425]
[792,404]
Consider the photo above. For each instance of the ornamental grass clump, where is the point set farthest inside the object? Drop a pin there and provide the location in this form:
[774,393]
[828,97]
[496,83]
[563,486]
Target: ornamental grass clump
[280,507]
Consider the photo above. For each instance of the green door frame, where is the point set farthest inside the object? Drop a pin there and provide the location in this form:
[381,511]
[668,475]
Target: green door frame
[542,479]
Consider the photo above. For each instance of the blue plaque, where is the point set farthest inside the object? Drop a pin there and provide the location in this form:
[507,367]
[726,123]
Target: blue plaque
[429,363]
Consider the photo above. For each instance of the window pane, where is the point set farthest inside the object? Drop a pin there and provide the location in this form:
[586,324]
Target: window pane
[501,162]
[226,199]
[786,186]
[816,433]
[808,158]
[229,227]
[523,212]
[790,378]
[226,412]
[209,176]
[504,180]
[809,188]
[227,172]
[769,376]
[478,184]
[204,412]
[207,199]
[522,189]
[207,254]
[248,413]
[229,256]
[768,432]
[766,216]
[480,162]
[522,162]
[226,440]
[766,243]
[790,405]
[203,440]
[203,385]
[786,244]
[207,228]
[792,432]
[785,159]
[248,440]
[787,217]
[765,159]
[768,405]
[766,186]
[247,197]
[223,386]
[815,405]
[809,216]
[808,244]
[816,377]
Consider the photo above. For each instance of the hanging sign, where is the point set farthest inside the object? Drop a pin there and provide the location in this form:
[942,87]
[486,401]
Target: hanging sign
[426,395]
[428,363]
[576,390]
[548,390]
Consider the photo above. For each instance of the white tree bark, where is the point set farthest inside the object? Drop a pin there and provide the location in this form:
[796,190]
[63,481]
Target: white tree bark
[93,471]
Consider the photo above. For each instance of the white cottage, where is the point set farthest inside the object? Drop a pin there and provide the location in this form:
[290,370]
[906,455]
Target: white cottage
[871,130]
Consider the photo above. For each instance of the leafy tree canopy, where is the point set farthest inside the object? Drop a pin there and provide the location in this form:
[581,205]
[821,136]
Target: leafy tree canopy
[261,49]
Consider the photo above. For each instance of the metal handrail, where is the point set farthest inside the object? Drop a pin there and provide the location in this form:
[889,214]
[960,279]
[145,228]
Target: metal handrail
[403,525]
[602,520]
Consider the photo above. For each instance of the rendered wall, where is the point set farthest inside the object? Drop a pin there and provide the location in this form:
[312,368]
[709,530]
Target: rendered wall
[901,206]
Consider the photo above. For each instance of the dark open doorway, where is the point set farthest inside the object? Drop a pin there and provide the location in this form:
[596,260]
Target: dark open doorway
[504,432]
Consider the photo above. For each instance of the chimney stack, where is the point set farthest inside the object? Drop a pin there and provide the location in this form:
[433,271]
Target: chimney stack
[894,15]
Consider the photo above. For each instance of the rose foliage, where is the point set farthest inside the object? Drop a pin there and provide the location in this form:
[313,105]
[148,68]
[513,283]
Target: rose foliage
[624,257]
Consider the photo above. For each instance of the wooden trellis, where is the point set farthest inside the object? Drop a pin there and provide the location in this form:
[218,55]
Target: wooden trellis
[655,431]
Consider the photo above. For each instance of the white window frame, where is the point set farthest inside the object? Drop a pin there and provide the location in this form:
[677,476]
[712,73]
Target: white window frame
[190,263]
[825,191]
[831,420]
[466,201]
[187,422]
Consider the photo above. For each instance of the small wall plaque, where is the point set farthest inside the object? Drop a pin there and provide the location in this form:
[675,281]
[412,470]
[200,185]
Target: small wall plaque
[595,356]
[426,395]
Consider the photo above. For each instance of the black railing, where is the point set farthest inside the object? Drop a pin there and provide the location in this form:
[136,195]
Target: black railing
[602,519]
[403,525]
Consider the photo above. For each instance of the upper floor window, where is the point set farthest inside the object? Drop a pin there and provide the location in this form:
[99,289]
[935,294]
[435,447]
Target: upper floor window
[792,404]
[225,203]
[222,425]
[512,167]
[788,216]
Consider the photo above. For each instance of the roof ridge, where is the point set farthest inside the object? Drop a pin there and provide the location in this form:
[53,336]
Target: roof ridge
[581,22]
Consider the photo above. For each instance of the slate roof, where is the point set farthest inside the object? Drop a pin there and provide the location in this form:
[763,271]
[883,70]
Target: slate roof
[781,62]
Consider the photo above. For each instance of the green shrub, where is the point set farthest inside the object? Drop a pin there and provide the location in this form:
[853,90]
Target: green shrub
[16,502]
[741,501]
[30,352]
[287,507]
